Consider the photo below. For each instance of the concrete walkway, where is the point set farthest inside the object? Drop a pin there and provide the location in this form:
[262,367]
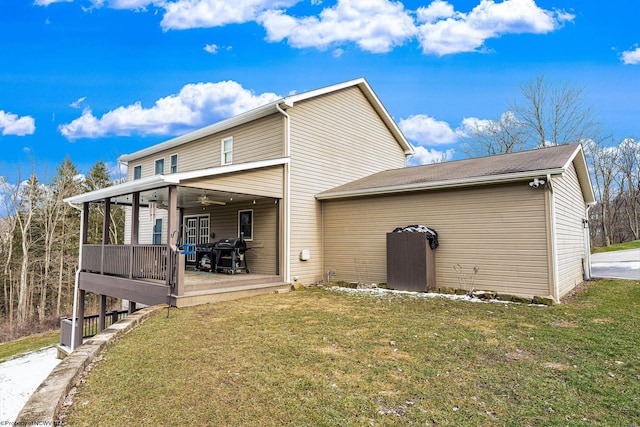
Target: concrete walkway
[616,265]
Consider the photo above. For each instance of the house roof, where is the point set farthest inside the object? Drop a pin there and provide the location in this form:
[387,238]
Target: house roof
[272,108]
[478,171]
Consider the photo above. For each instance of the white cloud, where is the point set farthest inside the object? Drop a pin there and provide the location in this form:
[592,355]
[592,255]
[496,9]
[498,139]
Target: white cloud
[183,14]
[196,105]
[425,130]
[211,48]
[11,124]
[78,102]
[472,125]
[631,57]
[375,26]
[424,156]
[438,9]
[138,5]
[446,32]
[117,171]
[48,2]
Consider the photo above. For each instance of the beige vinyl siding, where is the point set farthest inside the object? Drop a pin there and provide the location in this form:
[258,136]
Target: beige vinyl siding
[499,229]
[261,258]
[145,230]
[335,138]
[261,139]
[570,243]
[265,182]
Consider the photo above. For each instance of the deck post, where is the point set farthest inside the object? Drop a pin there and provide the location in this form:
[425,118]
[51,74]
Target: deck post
[172,232]
[80,328]
[106,221]
[182,261]
[135,228]
[102,314]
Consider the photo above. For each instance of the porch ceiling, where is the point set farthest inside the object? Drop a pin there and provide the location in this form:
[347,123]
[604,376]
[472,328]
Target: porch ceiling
[195,188]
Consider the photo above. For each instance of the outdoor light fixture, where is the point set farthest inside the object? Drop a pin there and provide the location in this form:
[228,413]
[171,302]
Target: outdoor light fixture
[536,183]
[152,210]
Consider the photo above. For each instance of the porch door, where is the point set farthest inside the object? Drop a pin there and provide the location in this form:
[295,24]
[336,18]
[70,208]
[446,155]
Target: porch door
[196,230]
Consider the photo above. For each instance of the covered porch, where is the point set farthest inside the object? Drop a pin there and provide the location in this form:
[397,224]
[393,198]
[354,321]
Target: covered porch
[167,218]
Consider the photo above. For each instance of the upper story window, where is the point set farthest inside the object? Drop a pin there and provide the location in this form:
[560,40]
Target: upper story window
[160,167]
[137,172]
[227,151]
[174,163]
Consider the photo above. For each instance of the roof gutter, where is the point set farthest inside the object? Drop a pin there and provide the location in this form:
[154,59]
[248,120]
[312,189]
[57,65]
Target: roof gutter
[76,284]
[481,180]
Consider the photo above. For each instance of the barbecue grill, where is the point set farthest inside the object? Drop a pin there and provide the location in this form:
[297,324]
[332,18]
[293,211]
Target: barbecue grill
[230,255]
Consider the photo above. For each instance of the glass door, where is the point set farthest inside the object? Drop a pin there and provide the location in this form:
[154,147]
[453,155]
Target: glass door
[196,231]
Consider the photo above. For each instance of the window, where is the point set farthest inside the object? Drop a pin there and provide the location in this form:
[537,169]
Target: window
[157,232]
[174,163]
[137,172]
[227,151]
[245,224]
[159,166]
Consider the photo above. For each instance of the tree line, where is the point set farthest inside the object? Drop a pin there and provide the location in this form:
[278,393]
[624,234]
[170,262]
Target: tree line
[39,245]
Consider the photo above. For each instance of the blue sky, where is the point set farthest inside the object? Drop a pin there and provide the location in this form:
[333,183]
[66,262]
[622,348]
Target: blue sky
[95,79]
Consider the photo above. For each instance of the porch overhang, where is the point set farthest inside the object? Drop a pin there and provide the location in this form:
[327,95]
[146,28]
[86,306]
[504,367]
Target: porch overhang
[184,179]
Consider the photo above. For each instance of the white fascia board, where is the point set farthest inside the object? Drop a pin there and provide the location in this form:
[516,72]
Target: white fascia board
[128,187]
[221,170]
[246,117]
[582,169]
[456,183]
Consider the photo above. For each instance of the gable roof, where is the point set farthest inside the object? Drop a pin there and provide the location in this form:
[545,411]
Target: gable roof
[272,108]
[463,173]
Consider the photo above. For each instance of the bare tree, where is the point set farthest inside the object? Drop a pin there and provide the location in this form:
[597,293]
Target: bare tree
[544,114]
[24,216]
[10,195]
[604,168]
[628,163]
[555,114]
[489,137]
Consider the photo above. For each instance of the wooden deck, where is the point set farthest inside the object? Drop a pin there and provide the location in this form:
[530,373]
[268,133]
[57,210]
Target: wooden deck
[203,287]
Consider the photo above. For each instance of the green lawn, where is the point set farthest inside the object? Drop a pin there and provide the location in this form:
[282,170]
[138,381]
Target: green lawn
[324,358]
[620,246]
[31,343]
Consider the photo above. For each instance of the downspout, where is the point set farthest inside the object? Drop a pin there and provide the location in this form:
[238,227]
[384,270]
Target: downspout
[587,245]
[287,197]
[555,291]
[77,280]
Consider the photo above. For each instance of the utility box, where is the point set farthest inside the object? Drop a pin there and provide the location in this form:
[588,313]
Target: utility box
[66,326]
[410,261]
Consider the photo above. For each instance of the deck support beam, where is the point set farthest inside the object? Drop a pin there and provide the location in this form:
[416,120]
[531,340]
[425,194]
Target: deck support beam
[102,313]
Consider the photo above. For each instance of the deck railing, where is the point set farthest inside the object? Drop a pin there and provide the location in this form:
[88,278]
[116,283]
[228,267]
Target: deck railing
[129,261]
[89,326]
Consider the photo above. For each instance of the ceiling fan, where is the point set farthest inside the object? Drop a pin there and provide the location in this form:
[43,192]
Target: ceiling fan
[206,201]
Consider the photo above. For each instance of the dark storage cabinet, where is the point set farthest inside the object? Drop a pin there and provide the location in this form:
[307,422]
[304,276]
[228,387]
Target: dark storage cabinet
[410,262]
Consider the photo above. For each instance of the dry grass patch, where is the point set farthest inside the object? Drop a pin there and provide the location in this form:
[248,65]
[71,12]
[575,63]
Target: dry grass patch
[325,358]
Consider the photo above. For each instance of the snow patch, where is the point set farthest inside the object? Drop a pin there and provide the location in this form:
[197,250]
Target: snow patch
[631,265]
[20,377]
